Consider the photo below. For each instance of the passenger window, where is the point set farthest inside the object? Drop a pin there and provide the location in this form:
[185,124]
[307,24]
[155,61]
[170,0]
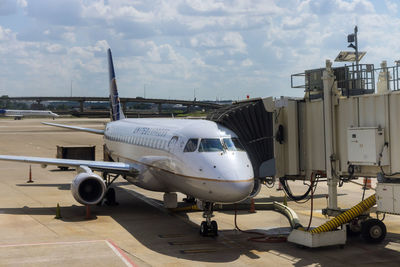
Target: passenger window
[191,145]
[210,145]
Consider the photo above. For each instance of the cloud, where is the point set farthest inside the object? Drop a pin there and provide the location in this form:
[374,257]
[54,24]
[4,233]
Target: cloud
[60,12]
[223,48]
[232,42]
[391,7]
[247,63]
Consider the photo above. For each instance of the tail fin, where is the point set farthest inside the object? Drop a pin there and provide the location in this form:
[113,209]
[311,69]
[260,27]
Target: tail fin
[115,104]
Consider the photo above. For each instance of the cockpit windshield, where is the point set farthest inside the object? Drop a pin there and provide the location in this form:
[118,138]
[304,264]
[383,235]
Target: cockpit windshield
[233,144]
[211,145]
[214,145]
[191,145]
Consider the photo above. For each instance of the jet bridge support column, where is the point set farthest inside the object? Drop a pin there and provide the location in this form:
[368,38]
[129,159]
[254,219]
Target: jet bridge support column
[329,80]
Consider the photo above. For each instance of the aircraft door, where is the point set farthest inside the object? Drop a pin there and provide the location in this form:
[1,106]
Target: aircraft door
[172,148]
[172,144]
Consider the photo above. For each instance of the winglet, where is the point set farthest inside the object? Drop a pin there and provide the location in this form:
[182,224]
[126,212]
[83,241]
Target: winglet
[115,104]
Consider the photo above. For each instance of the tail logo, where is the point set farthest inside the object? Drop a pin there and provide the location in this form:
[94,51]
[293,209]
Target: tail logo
[115,103]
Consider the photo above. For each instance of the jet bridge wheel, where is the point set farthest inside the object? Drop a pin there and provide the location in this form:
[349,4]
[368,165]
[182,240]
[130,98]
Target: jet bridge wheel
[373,230]
[353,228]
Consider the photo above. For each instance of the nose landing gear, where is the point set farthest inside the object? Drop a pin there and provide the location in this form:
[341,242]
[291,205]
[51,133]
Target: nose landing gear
[208,227]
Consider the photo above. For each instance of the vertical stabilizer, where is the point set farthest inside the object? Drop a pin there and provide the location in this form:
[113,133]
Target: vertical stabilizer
[115,104]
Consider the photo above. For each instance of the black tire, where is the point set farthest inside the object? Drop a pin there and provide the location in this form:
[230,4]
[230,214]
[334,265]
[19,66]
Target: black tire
[373,231]
[350,232]
[214,228]
[110,197]
[203,229]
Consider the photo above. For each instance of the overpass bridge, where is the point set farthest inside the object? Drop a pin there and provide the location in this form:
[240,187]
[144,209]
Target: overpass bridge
[124,101]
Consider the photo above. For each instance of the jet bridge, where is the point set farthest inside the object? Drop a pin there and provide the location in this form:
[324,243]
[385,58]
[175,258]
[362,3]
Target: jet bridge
[346,126]
[341,130]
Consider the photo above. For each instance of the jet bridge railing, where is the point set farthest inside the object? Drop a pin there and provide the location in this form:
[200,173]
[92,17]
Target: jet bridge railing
[355,81]
[351,80]
[392,76]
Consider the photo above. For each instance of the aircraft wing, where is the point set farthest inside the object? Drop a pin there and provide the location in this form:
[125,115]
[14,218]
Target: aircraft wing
[106,166]
[89,130]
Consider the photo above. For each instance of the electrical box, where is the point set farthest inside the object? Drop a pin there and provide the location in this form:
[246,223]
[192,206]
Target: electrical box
[366,146]
[388,197]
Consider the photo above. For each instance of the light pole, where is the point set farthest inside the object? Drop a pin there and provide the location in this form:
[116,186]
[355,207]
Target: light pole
[353,38]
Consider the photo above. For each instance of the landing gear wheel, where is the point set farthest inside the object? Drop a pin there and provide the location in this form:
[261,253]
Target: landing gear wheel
[110,197]
[373,231]
[203,228]
[214,228]
[209,230]
[208,227]
[189,199]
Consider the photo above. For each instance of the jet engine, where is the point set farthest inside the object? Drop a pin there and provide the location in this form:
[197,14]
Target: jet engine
[88,188]
[256,188]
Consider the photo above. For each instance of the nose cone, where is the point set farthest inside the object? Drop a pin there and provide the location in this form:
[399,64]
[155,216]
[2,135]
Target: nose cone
[238,184]
[235,191]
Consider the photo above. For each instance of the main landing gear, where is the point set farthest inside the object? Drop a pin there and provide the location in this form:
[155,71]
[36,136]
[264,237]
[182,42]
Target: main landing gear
[109,197]
[208,227]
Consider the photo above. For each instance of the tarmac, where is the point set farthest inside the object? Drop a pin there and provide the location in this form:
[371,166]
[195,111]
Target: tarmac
[139,231]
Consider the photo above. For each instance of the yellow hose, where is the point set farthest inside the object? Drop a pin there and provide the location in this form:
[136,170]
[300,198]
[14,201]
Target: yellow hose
[346,216]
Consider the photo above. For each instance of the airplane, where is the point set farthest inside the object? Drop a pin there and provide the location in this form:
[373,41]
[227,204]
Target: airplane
[19,114]
[201,159]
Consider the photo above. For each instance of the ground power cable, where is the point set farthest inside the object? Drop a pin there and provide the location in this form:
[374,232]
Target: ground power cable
[261,237]
[312,200]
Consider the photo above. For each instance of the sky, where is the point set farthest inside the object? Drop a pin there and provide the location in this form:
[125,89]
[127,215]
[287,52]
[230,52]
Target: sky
[181,49]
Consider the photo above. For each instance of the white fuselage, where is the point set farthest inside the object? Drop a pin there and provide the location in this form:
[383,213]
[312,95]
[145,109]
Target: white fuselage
[157,145]
[30,113]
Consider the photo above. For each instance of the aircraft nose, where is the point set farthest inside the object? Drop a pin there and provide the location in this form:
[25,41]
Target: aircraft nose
[232,190]
[241,190]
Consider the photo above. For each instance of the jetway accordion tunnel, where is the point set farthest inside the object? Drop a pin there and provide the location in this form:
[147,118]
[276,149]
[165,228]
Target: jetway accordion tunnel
[254,127]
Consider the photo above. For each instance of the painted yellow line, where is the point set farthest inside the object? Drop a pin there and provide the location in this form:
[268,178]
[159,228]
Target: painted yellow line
[195,251]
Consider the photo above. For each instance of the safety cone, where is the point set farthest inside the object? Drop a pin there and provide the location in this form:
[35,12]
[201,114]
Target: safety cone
[58,212]
[252,206]
[30,174]
[88,215]
[367,184]
[280,188]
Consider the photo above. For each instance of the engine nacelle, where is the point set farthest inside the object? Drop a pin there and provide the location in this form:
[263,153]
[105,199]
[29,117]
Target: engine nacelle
[88,188]
[256,188]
